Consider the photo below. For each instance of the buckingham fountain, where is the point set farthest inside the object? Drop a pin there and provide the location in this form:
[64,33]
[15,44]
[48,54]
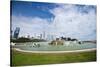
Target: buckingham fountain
[57,45]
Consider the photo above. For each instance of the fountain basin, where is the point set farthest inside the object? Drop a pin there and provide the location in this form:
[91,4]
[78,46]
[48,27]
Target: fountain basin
[44,47]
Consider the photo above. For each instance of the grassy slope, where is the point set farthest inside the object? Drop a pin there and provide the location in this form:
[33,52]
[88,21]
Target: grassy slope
[22,58]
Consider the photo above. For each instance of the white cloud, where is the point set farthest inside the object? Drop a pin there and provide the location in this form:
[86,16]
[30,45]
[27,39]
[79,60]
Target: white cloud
[71,22]
[68,22]
[28,25]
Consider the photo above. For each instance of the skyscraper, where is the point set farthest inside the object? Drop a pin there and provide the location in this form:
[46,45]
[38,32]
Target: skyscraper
[40,36]
[43,34]
[11,33]
[16,32]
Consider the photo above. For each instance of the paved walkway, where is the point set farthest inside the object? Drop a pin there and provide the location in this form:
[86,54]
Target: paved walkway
[83,50]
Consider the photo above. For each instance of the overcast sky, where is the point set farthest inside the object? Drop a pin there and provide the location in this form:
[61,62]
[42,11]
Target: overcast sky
[69,20]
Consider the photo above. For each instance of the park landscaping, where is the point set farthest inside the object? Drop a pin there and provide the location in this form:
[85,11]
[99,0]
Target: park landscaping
[23,58]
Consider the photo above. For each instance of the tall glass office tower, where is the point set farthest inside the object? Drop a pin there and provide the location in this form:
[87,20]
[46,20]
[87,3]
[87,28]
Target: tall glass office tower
[16,32]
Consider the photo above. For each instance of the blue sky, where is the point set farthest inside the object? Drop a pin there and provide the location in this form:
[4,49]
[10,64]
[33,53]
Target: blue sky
[32,9]
[70,20]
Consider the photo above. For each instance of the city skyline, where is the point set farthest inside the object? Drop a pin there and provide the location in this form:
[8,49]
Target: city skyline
[69,20]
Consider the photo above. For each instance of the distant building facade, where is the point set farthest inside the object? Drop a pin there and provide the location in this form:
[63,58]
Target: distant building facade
[16,32]
[11,33]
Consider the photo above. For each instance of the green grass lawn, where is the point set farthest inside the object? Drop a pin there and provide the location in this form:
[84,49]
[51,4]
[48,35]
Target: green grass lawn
[22,58]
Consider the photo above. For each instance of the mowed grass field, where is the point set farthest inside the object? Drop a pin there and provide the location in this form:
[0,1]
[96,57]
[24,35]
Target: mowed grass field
[24,58]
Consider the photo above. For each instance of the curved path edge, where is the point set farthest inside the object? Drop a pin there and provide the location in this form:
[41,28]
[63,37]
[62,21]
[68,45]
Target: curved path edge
[84,50]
